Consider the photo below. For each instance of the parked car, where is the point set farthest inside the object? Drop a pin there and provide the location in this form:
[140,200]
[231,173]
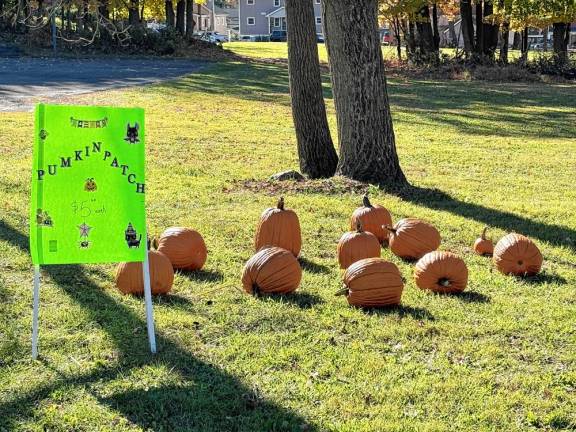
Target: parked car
[214,37]
[386,39]
[319,38]
[278,36]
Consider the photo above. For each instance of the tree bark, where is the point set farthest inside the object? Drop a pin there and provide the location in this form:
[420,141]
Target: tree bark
[524,54]
[133,13]
[517,44]
[561,37]
[453,35]
[316,153]
[504,36]
[435,27]
[425,36]
[170,18]
[545,33]
[479,28]
[180,19]
[365,130]
[189,18]
[467,26]
[489,32]
[398,36]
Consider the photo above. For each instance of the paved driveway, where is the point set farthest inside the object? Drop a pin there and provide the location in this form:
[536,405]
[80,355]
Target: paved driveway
[24,79]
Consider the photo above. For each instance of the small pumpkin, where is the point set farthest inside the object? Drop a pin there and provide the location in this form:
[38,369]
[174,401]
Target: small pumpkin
[483,245]
[373,282]
[517,255]
[356,245]
[442,272]
[184,247]
[272,270]
[413,238]
[279,227]
[372,218]
[130,280]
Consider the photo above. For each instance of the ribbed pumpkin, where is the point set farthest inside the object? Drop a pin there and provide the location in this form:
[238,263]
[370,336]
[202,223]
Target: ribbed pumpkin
[517,255]
[184,247]
[129,278]
[372,219]
[442,272]
[483,245]
[272,270]
[413,238]
[373,282]
[279,227]
[356,245]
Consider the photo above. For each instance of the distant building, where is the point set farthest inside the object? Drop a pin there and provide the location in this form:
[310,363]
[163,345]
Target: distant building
[261,17]
[225,19]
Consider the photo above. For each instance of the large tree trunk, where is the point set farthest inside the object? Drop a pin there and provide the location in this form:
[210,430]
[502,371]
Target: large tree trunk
[189,18]
[517,43]
[561,35]
[180,19]
[525,47]
[170,18]
[467,26]
[489,32]
[545,32]
[479,28]
[398,36]
[318,158]
[365,130]
[504,36]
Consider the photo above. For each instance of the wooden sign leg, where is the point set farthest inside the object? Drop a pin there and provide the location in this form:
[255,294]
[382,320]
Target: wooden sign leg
[35,312]
[148,300]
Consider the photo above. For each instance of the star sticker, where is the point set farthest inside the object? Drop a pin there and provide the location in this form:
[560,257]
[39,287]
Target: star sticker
[84,229]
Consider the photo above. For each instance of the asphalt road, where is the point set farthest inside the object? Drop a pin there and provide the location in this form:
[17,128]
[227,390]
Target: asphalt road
[24,80]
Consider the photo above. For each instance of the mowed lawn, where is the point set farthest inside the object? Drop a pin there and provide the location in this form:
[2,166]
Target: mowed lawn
[499,357]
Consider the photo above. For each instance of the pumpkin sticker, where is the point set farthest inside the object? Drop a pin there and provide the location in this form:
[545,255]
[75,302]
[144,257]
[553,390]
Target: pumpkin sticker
[132,133]
[130,236]
[43,219]
[90,185]
[85,229]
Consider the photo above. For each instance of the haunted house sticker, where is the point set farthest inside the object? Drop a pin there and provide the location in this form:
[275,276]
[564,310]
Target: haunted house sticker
[88,185]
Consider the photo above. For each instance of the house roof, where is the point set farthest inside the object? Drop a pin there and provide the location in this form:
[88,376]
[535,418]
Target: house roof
[231,12]
[276,13]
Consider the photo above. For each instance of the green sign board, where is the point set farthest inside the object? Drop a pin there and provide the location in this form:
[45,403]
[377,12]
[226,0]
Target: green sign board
[88,185]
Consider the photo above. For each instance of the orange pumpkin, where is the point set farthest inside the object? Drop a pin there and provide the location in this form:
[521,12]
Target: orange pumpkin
[279,227]
[356,245]
[413,238]
[442,272]
[129,278]
[372,219]
[373,282]
[517,255]
[483,245]
[272,270]
[184,247]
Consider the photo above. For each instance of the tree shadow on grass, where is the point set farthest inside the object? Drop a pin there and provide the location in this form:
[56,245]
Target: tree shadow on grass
[206,397]
[541,279]
[438,200]
[402,311]
[312,267]
[471,297]
[203,275]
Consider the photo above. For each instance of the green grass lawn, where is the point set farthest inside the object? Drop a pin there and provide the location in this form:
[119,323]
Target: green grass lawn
[499,357]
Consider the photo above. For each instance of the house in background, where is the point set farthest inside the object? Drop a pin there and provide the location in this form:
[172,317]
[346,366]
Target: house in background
[225,20]
[202,17]
[259,18]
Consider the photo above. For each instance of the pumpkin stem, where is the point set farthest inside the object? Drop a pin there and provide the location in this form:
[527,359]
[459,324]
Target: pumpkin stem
[281,203]
[366,201]
[389,228]
[343,291]
[444,282]
[359,227]
[483,236]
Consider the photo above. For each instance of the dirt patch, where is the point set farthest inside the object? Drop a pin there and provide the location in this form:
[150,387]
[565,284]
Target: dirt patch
[332,186]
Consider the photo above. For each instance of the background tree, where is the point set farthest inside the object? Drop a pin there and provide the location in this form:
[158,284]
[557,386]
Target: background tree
[316,151]
[365,130]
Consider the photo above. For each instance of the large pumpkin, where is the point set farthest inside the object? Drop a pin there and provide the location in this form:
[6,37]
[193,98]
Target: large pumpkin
[184,247]
[372,218]
[442,272]
[517,255]
[272,270]
[279,227]
[373,282]
[356,245]
[130,280]
[413,238]
[483,245]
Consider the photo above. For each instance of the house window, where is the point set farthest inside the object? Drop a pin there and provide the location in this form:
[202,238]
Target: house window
[317,1]
[276,3]
[251,21]
[250,2]
[318,20]
[277,22]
